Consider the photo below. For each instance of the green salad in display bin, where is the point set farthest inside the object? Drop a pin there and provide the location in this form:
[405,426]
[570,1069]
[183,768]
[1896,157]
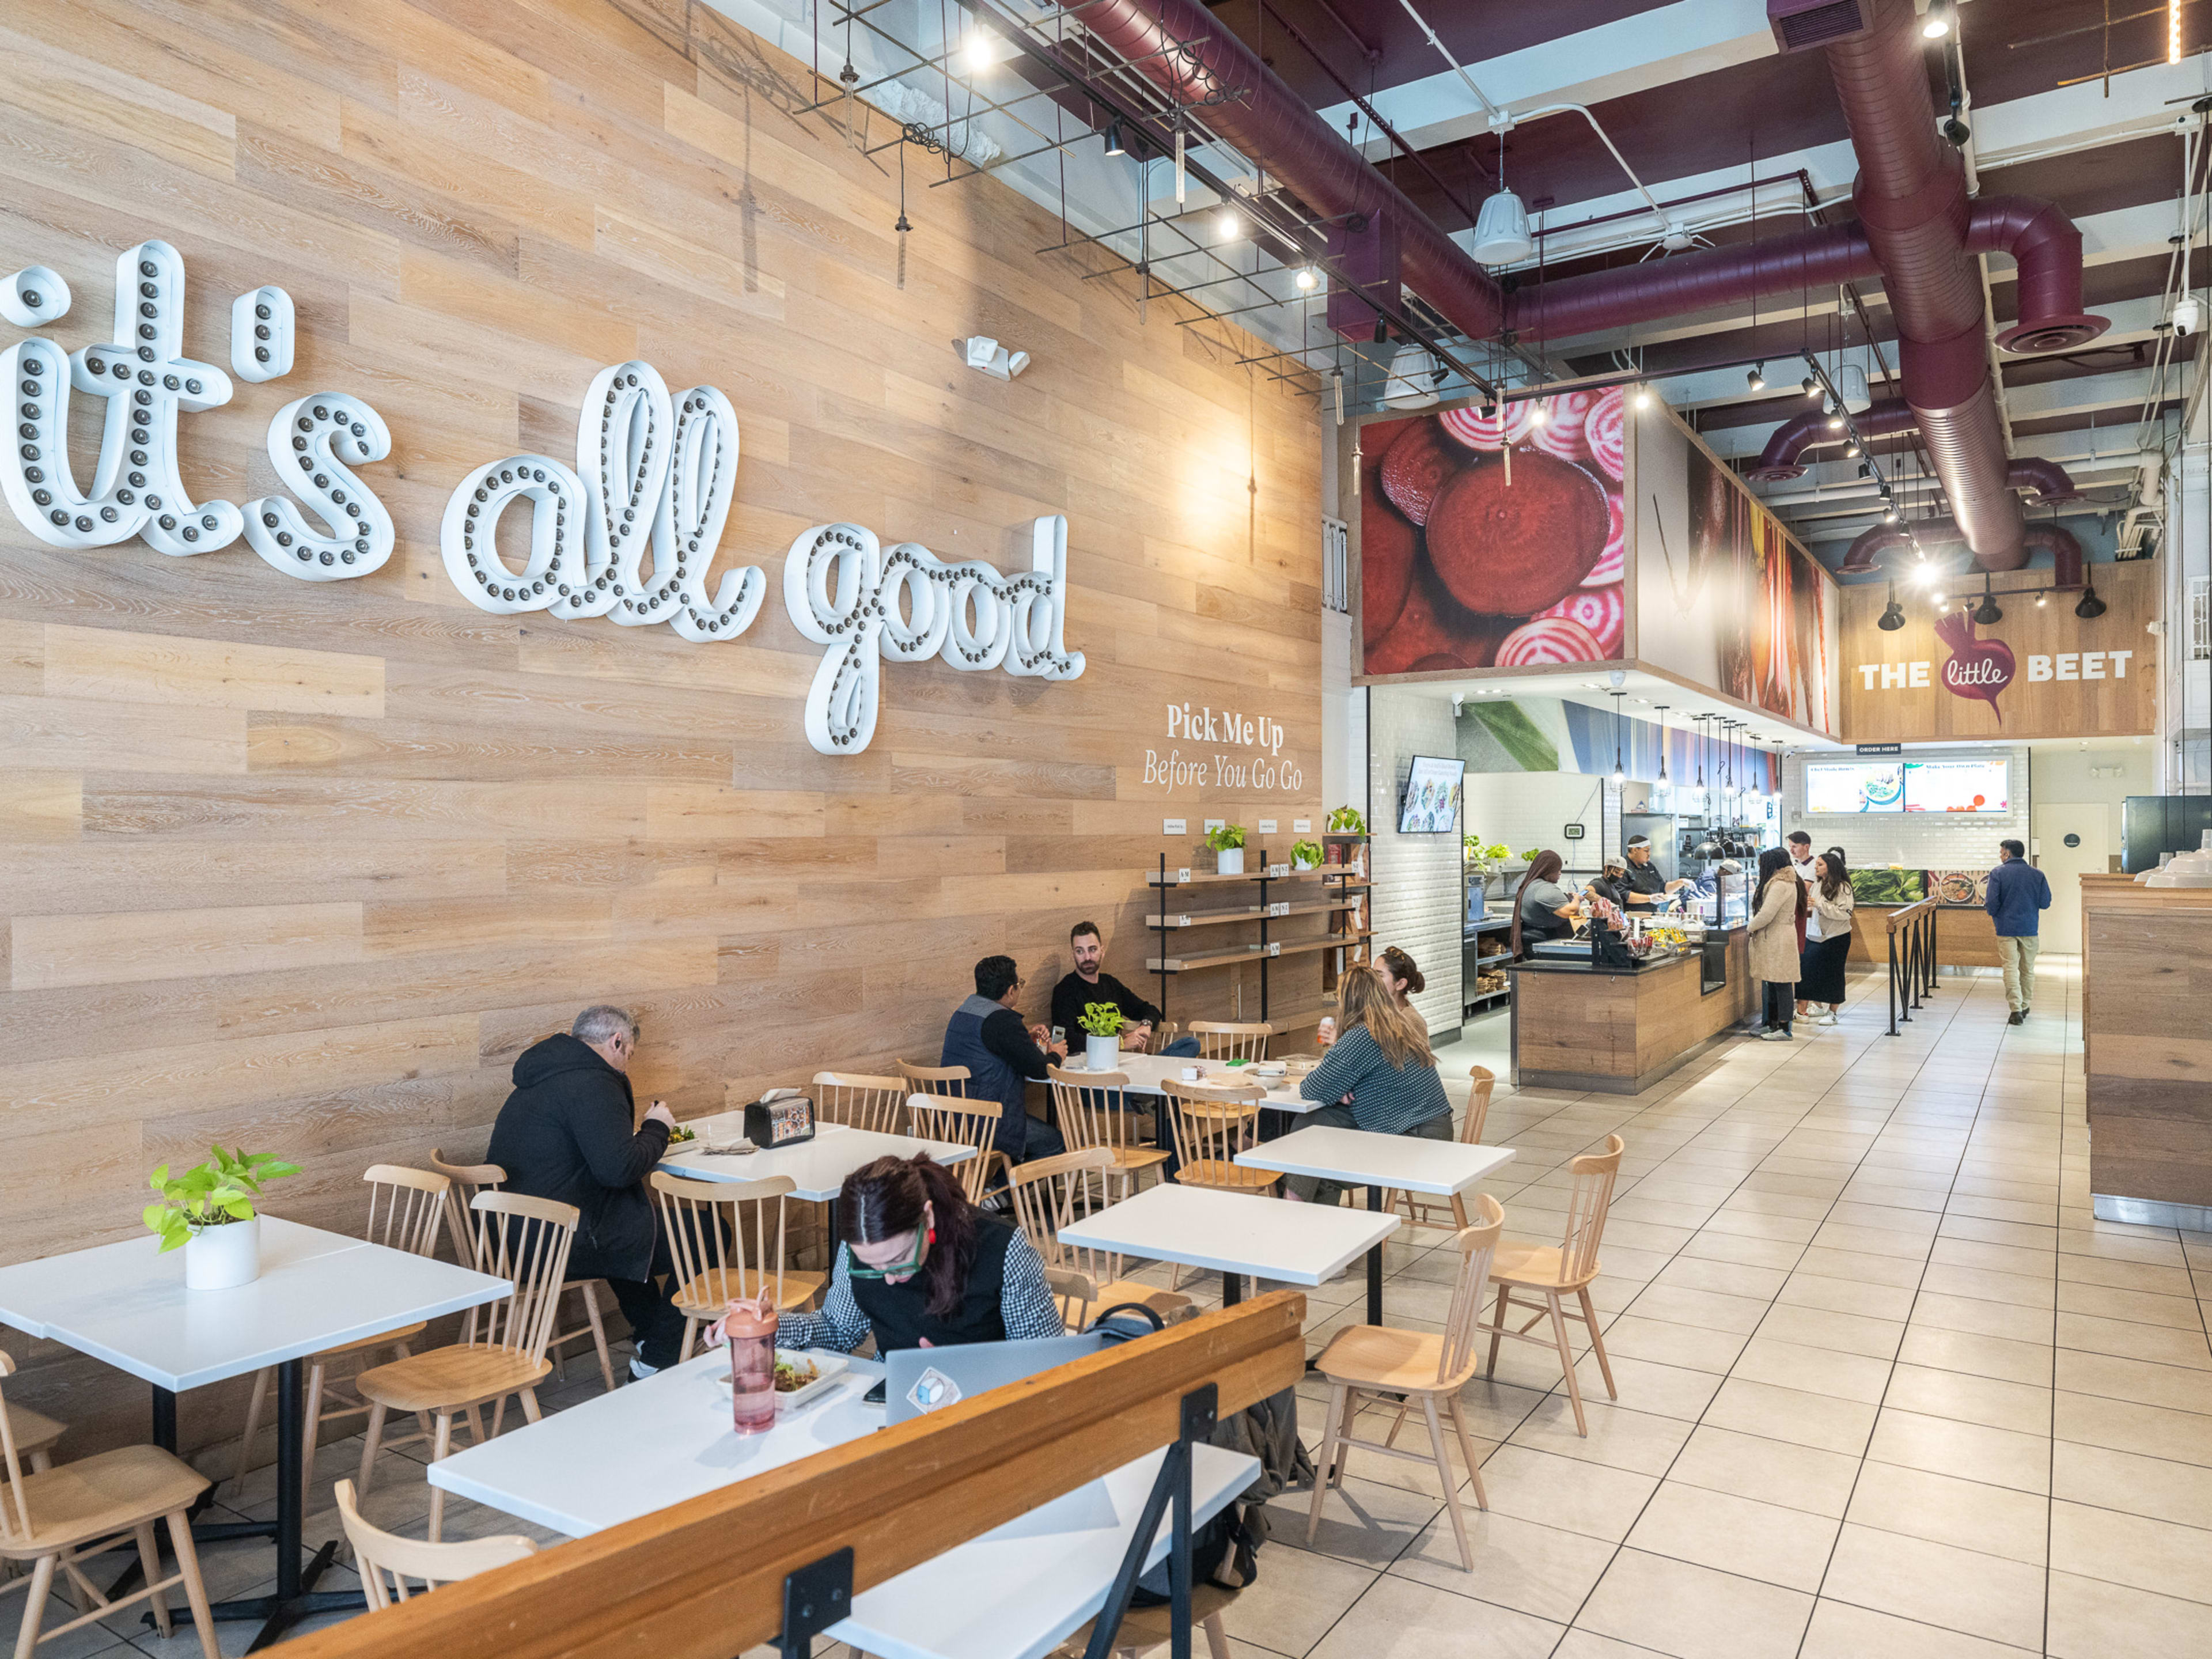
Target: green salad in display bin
[1888,885]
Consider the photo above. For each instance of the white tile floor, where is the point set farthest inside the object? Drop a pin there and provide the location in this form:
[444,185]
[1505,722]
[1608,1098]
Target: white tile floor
[1886,1385]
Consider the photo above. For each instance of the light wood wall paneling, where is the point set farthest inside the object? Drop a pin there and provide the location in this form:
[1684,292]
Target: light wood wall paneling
[304,866]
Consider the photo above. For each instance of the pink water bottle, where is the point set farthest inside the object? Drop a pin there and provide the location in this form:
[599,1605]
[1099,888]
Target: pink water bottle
[751,1334]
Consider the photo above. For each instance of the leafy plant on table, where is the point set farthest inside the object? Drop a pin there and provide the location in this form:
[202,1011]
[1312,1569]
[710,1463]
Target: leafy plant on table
[210,1195]
[1347,821]
[1305,852]
[1101,1018]
[1484,859]
[1227,837]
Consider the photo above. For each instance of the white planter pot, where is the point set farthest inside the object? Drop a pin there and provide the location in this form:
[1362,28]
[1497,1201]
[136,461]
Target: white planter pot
[1233,861]
[219,1258]
[1304,864]
[1101,1054]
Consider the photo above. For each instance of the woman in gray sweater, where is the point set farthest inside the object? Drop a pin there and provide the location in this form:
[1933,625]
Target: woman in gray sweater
[1379,1075]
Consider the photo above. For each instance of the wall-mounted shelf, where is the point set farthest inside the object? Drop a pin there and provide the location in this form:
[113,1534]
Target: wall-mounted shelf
[1249,913]
[1165,878]
[1244,953]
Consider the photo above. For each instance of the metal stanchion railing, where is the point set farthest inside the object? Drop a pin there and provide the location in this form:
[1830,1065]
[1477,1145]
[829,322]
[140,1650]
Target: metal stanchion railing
[1913,964]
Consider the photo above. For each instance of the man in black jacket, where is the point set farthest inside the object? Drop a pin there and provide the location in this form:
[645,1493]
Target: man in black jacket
[566,1133]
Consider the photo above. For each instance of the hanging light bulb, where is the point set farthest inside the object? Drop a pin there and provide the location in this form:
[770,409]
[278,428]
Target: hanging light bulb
[1307,279]
[979,51]
[1229,224]
[1336,385]
[1619,773]
[1663,742]
[1540,413]
[1644,397]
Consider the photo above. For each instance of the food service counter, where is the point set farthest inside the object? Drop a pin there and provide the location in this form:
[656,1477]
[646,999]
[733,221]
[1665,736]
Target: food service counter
[1618,1030]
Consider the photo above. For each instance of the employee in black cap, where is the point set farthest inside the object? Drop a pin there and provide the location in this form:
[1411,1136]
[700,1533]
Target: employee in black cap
[1642,878]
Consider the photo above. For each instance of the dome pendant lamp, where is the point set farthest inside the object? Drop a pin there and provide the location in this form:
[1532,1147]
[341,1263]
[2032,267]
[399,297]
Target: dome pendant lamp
[1501,228]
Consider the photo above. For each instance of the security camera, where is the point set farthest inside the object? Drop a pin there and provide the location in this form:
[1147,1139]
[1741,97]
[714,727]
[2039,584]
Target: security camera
[2188,315]
[1459,705]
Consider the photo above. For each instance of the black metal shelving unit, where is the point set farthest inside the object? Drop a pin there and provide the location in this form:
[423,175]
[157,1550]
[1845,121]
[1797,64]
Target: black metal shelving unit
[1263,952]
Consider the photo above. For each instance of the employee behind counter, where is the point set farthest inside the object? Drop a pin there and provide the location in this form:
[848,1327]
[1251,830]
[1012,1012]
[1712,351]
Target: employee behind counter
[1544,910]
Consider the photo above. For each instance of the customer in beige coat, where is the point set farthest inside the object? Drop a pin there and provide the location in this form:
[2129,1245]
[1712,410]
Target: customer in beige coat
[1778,939]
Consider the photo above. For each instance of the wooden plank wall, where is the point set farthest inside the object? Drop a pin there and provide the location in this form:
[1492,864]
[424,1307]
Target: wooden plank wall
[304,866]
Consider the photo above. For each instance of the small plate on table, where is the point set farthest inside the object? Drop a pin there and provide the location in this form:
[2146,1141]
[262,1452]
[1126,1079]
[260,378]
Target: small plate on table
[819,1371]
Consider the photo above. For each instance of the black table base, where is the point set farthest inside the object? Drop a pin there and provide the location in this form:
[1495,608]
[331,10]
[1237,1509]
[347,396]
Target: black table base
[296,1596]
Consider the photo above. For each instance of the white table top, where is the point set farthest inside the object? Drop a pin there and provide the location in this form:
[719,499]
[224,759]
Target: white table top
[1145,1073]
[127,1304]
[1014,1593]
[819,1165]
[1234,1232]
[1360,1157]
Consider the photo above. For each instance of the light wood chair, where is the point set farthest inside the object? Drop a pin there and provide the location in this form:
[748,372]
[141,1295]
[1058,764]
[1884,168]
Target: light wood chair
[964,1122]
[407,1211]
[1053,1192]
[877,1103]
[1227,1040]
[1211,1124]
[935,1079]
[56,1518]
[1408,1366]
[469,1180]
[1424,1209]
[524,1241]
[1092,1107]
[379,1555]
[1554,1271]
[1144,1629]
[705,1223]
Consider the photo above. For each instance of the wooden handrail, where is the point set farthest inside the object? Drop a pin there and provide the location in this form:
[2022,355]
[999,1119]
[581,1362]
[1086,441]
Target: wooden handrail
[1909,912]
[703,1579]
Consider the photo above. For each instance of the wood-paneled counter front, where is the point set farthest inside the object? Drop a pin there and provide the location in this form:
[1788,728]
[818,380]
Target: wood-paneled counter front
[2146,973]
[1619,1031]
[1966,936]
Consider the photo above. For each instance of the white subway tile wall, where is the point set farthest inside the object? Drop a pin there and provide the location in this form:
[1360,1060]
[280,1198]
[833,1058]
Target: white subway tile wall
[1918,841]
[1417,877]
[1531,810]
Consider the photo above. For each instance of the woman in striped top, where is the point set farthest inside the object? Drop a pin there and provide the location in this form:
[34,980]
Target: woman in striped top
[1379,1075]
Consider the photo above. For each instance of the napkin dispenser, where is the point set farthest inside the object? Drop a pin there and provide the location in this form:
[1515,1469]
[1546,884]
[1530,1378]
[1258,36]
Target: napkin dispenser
[781,1117]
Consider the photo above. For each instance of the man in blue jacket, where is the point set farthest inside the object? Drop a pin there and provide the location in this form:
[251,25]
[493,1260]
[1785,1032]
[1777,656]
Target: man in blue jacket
[2018,892]
[1002,1056]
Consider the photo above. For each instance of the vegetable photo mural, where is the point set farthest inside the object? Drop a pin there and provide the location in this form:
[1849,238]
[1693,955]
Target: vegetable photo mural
[1494,540]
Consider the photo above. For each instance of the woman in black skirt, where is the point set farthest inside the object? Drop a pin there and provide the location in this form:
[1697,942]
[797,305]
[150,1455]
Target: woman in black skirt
[1827,938]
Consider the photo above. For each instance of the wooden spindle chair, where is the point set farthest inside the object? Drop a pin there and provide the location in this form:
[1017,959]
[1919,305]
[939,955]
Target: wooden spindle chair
[728,1240]
[1211,1124]
[380,1556]
[935,1079]
[1426,1209]
[1553,1271]
[526,1242]
[965,1122]
[54,1519]
[1053,1193]
[858,1102]
[1231,1039]
[407,1211]
[1094,1110]
[469,1180]
[1406,1366]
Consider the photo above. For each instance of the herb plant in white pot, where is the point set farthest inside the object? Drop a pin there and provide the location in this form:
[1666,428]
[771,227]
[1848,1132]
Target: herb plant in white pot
[209,1211]
[1228,845]
[1101,1036]
[1305,855]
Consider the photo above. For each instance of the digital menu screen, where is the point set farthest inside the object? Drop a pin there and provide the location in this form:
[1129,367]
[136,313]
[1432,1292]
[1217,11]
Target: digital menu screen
[1432,792]
[1855,786]
[1958,786]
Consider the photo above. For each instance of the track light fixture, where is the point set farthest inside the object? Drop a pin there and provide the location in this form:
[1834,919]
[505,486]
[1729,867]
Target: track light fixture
[1812,386]
[1114,146]
[1892,618]
[2091,605]
[1852,449]
[1888,515]
[1987,611]
[1307,279]
[1757,379]
[1835,422]
[1644,397]
[1938,23]
[1229,224]
[2041,600]
[1538,416]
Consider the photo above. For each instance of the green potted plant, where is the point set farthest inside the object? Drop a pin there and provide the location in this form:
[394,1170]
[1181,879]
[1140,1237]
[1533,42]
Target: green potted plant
[1482,858]
[1228,845]
[1305,855]
[208,1210]
[1101,1025]
[1347,821]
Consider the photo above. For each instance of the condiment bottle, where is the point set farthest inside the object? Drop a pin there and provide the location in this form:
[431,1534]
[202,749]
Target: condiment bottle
[750,1333]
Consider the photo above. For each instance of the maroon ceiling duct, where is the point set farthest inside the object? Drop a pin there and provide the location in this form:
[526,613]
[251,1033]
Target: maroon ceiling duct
[1685,283]
[1912,199]
[1782,457]
[2065,552]
[1177,46]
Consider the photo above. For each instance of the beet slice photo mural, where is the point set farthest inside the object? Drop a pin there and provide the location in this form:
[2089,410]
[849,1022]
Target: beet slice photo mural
[1494,541]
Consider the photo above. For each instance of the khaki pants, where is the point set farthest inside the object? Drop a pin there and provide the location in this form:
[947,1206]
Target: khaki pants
[2018,956]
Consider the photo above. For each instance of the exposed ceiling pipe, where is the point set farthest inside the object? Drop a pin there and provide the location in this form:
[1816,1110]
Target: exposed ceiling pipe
[1178,46]
[1783,456]
[2065,551]
[1911,198]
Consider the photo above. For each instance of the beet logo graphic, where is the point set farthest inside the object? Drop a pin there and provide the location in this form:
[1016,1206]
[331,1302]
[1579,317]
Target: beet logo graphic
[1978,668]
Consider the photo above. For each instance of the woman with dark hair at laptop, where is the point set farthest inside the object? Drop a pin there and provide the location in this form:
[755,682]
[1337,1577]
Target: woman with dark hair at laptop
[920,1266]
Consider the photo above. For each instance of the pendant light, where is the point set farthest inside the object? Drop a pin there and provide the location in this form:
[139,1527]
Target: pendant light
[1663,742]
[1619,773]
[1501,228]
[1412,382]
[1987,611]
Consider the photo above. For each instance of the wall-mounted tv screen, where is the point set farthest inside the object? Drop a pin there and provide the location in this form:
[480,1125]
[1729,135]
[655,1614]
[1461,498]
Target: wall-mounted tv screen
[1958,786]
[1432,792]
[1855,786]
